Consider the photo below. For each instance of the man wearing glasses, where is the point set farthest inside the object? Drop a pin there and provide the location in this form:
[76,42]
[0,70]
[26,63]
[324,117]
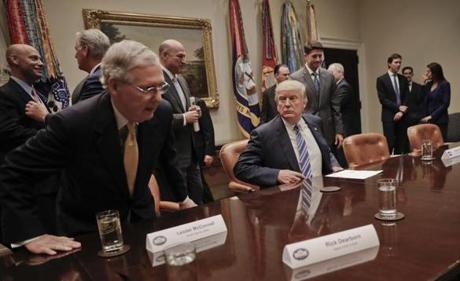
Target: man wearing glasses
[172,56]
[106,148]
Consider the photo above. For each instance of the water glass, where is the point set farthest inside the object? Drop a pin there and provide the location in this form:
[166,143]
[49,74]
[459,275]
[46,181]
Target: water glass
[108,223]
[427,150]
[387,196]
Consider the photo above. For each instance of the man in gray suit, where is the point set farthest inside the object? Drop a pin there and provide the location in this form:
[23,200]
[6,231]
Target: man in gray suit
[321,92]
[90,47]
[172,57]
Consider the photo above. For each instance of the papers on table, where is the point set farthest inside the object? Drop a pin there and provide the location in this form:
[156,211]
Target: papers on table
[354,174]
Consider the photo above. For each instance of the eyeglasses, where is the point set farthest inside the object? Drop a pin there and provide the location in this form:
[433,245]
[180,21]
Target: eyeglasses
[161,89]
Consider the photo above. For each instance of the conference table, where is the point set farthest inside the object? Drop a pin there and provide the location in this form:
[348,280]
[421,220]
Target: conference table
[422,246]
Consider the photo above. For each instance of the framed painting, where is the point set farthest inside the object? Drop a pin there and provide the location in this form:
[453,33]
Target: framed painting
[151,30]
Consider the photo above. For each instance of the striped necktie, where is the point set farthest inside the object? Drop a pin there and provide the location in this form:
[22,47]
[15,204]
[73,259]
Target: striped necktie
[304,161]
[305,193]
[316,81]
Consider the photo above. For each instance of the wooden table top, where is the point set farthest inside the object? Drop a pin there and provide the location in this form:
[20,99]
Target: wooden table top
[420,247]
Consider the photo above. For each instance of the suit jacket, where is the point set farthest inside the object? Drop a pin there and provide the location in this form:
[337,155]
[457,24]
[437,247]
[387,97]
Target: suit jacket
[415,102]
[185,145]
[326,105]
[269,110]
[15,126]
[269,150]
[348,108]
[88,87]
[387,95]
[83,142]
[437,102]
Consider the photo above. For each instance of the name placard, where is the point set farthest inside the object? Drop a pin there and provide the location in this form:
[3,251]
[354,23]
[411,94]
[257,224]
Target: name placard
[163,239]
[451,153]
[330,246]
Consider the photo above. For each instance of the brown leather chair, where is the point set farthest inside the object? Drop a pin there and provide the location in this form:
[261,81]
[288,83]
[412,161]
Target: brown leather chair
[167,206]
[418,133]
[229,154]
[364,149]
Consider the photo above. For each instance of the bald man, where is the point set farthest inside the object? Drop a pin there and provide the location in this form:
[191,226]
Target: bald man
[22,114]
[173,59]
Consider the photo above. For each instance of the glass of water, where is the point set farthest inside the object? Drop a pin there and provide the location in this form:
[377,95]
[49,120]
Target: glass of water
[387,197]
[108,223]
[427,150]
[180,261]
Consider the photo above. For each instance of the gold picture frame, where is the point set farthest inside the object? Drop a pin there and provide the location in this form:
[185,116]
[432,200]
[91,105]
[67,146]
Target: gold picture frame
[151,30]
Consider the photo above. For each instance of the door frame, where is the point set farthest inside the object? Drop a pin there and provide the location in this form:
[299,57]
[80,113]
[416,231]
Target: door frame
[358,46]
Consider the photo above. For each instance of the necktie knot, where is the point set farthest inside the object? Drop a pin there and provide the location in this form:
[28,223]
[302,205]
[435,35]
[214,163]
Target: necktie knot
[131,133]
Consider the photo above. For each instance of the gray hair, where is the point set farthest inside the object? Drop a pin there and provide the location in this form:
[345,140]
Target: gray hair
[337,66]
[290,85]
[95,40]
[123,57]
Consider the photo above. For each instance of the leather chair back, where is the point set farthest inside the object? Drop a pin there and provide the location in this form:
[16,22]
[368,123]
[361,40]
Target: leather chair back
[229,154]
[167,206]
[420,132]
[365,148]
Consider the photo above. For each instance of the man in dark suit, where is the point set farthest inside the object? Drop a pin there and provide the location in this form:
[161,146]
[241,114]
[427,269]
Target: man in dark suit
[415,98]
[106,148]
[273,155]
[322,97]
[392,92]
[172,56]
[90,47]
[23,113]
[348,106]
[268,105]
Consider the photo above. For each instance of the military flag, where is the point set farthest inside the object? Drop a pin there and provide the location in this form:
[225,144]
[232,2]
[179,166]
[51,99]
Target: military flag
[291,41]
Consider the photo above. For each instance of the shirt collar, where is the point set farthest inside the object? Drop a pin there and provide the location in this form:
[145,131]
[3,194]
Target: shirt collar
[24,85]
[95,68]
[170,75]
[301,123]
[119,118]
[311,71]
[391,73]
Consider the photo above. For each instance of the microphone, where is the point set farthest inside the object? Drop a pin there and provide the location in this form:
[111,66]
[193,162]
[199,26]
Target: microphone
[196,125]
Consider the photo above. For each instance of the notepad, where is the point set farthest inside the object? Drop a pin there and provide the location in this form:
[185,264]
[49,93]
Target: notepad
[354,174]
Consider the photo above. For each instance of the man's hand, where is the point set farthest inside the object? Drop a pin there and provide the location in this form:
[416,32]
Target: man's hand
[288,176]
[49,244]
[36,111]
[402,108]
[338,140]
[208,159]
[187,203]
[193,114]
[398,116]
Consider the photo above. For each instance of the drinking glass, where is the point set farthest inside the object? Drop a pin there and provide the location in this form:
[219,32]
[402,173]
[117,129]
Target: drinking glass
[180,261]
[108,223]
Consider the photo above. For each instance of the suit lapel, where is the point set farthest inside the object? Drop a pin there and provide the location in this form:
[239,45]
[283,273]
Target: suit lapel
[15,87]
[313,100]
[173,95]
[390,84]
[108,143]
[286,145]
[185,90]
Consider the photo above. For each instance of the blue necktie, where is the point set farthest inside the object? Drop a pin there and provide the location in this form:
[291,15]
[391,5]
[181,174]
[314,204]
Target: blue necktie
[305,193]
[316,82]
[304,161]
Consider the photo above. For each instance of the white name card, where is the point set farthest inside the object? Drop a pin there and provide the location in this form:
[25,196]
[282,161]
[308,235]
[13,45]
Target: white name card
[451,153]
[330,246]
[189,232]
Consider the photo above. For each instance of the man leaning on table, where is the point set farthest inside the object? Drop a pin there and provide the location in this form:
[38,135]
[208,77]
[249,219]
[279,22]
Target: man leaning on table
[105,147]
[290,147]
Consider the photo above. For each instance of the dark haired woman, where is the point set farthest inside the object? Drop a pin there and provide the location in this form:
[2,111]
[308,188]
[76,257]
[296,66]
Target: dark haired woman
[437,98]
